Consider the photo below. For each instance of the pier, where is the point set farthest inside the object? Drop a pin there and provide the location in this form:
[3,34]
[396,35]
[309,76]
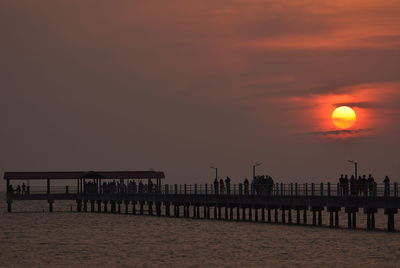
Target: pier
[124,192]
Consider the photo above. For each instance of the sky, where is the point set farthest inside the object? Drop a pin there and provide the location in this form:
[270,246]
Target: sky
[179,86]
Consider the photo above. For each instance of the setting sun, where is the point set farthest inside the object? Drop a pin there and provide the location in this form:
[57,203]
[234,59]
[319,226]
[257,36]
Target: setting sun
[344,117]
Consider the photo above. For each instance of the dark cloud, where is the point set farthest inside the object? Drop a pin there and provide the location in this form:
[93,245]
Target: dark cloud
[358,104]
[340,132]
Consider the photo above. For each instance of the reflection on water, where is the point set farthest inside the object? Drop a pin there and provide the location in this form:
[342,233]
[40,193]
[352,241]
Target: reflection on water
[106,240]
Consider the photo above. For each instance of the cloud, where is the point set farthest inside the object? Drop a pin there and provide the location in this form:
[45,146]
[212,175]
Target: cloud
[340,132]
[358,104]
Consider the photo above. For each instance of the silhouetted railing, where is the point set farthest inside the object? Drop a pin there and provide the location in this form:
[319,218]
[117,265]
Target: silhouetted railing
[276,189]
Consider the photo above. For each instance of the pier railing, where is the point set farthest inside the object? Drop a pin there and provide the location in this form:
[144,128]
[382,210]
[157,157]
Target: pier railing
[276,189]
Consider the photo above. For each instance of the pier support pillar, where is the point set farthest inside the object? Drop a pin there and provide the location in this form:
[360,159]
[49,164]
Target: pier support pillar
[370,212]
[158,208]
[298,216]
[219,212]
[290,216]
[85,205]
[390,214]
[250,213]
[167,212]
[319,217]
[368,221]
[331,219]
[78,205]
[256,214]
[119,206]
[305,216]
[105,206]
[113,207]
[204,212]
[92,205]
[276,215]
[9,206]
[98,206]
[134,207]
[314,218]
[269,215]
[349,225]
[243,213]
[262,214]
[351,217]
[237,213]
[283,215]
[231,213]
[215,212]
[51,205]
[336,219]
[194,212]
[141,204]
[226,212]
[150,205]
[372,221]
[126,206]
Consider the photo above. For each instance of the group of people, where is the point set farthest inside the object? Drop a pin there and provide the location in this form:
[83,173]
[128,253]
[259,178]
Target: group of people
[19,189]
[361,185]
[120,187]
[259,185]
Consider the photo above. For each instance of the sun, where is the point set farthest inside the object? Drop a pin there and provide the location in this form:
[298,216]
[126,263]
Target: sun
[344,117]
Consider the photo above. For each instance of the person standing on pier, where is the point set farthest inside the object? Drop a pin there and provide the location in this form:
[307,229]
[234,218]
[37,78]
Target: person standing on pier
[371,183]
[353,187]
[221,186]
[346,185]
[216,186]
[23,189]
[246,186]
[18,190]
[341,185]
[386,182]
[228,185]
[253,185]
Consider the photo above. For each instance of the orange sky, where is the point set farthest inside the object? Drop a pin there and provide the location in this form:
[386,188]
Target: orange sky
[182,85]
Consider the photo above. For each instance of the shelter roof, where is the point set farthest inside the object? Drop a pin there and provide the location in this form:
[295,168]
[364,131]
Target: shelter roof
[69,175]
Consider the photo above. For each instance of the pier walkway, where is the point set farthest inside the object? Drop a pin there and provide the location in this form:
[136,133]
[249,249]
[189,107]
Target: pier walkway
[236,202]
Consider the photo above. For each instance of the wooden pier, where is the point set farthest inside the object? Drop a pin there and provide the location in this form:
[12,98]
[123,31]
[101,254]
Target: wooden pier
[236,203]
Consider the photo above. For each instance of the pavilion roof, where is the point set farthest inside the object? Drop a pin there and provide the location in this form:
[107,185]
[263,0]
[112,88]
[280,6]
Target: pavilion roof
[69,175]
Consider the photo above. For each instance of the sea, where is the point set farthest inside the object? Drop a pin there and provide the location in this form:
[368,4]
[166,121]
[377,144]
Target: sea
[30,236]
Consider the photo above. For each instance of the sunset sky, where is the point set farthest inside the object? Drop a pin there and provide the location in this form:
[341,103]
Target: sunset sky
[180,86]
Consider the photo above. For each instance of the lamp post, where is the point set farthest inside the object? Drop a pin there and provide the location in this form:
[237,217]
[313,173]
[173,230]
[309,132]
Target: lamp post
[216,172]
[254,168]
[355,167]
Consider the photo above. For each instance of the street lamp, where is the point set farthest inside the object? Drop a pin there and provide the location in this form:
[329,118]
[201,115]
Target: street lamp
[355,167]
[254,168]
[216,172]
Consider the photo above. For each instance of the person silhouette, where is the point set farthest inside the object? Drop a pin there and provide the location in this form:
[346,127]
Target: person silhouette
[246,186]
[23,188]
[386,182]
[228,185]
[341,185]
[216,186]
[346,185]
[371,183]
[221,186]
[353,187]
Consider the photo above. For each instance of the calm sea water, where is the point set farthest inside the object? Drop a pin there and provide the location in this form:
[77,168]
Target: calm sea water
[33,238]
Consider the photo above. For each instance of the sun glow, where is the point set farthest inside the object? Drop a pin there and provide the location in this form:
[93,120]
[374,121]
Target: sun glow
[344,117]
